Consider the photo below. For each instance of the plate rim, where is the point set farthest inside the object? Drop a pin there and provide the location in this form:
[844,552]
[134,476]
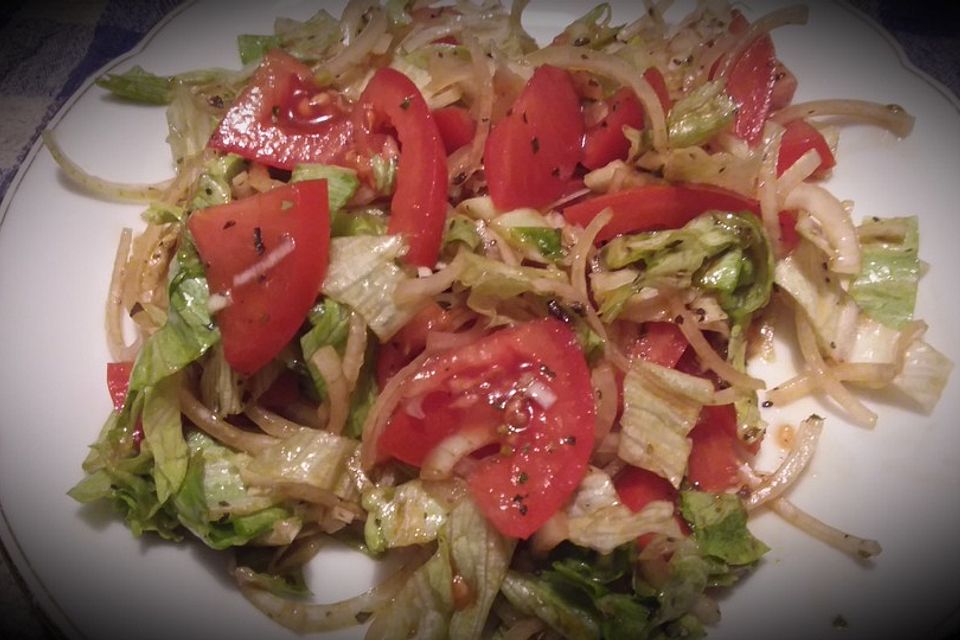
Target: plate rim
[52,618]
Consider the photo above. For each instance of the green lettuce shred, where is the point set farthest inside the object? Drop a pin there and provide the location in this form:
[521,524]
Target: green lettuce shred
[886,287]
[139,85]
[719,524]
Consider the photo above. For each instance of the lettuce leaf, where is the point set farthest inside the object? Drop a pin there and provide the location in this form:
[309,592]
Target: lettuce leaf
[719,524]
[189,330]
[725,254]
[342,183]
[404,515]
[163,434]
[886,287]
[661,407]
[535,597]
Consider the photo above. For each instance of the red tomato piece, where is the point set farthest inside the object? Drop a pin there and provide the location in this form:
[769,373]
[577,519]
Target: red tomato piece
[662,343]
[789,238]
[638,487]
[283,118]
[531,153]
[713,462]
[118,381]
[654,207]
[456,127]
[784,86]
[605,142]
[418,210]
[411,340]
[268,254]
[750,83]
[799,136]
[528,387]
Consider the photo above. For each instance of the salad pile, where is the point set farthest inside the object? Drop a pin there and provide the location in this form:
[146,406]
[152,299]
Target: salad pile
[425,286]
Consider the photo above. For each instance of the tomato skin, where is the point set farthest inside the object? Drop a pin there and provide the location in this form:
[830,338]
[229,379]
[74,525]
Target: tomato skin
[799,136]
[653,207]
[266,311]
[605,142]
[638,487]
[271,121]
[750,83]
[418,210]
[662,343]
[456,127]
[411,340]
[118,382]
[532,152]
[714,460]
[784,87]
[539,462]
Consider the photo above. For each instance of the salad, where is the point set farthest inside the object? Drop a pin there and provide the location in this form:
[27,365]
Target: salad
[485,307]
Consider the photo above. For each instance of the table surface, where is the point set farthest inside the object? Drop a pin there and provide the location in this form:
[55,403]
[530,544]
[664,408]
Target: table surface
[49,48]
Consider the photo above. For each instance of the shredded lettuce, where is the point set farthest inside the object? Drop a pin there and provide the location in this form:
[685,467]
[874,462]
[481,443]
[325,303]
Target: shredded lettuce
[252,47]
[529,232]
[307,40]
[163,434]
[342,183]
[138,85]
[923,375]
[598,520]
[534,597]
[403,515]
[491,282]
[700,115]
[460,230]
[726,254]
[363,275]
[886,287]
[719,524]
[660,408]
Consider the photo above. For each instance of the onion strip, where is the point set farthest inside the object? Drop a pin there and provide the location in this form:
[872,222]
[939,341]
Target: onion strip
[328,364]
[125,192]
[892,117]
[220,429]
[767,187]
[272,424]
[774,486]
[848,543]
[120,351]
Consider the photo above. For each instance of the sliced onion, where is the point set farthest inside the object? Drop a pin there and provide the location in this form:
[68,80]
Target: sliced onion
[541,394]
[361,46]
[605,394]
[354,350]
[848,543]
[523,629]
[804,445]
[709,358]
[413,290]
[120,351]
[583,249]
[327,362]
[219,429]
[127,192]
[799,171]
[767,187]
[439,463]
[892,117]
[825,378]
[272,424]
[834,221]
[305,618]
[464,162]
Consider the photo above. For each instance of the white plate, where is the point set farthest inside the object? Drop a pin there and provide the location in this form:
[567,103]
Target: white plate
[899,483]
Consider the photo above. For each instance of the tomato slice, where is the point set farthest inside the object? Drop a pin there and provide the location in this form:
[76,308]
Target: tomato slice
[799,136]
[713,462]
[118,382]
[268,255]
[654,207]
[532,152]
[527,388]
[662,343]
[418,210]
[638,487]
[784,87]
[456,127]
[283,118]
[411,340]
[750,83]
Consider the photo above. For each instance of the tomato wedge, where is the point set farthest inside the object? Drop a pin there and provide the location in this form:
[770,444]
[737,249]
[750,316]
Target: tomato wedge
[418,210]
[604,142]
[713,462]
[654,207]
[799,136]
[662,343]
[526,389]
[283,118]
[456,127]
[750,83]
[118,382]
[638,487]
[268,255]
[532,152]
